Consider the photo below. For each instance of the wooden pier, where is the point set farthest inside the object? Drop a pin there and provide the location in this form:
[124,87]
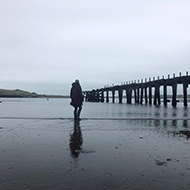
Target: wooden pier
[143,92]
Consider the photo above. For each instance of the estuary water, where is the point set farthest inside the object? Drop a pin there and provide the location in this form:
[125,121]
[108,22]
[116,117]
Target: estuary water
[114,146]
[60,108]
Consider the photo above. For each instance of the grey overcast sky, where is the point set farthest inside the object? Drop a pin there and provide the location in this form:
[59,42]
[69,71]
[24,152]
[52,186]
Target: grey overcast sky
[46,44]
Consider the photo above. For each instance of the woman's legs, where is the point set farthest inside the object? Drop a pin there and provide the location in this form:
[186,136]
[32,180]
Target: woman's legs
[77,112]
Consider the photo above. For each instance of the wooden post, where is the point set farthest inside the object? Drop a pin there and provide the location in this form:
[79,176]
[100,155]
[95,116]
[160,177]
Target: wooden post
[130,96]
[150,95]
[155,96]
[127,95]
[92,96]
[120,92]
[158,95]
[141,101]
[138,95]
[135,95]
[174,91]
[107,96]
[146,99]
[113,96]
[165,94]
[102,96]
[185,85]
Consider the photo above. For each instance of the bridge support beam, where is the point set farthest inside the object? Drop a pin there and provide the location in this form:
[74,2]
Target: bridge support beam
[141,100]
[128,95]
[135,95]
[146,99]
[159,101]
[174,91]
[102,96]
[113,96]
[150,95]
[185,94]
[157,96]
[120,92]
[107,96]
[165,95]
[138,95]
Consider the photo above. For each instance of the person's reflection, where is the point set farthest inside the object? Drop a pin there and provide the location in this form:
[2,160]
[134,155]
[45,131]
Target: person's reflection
[76,140]
[185,113]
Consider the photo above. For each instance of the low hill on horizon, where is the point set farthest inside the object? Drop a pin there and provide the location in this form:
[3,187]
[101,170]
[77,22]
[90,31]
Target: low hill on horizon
[17,93]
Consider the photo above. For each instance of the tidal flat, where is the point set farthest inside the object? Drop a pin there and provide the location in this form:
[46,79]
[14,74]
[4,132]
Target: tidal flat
[115,147]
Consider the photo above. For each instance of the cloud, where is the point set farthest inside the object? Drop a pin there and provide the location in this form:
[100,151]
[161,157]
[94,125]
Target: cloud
[46,44]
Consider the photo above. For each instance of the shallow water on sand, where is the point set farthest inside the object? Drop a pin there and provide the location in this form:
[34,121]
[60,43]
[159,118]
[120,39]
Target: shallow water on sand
[114,146]
[60,108]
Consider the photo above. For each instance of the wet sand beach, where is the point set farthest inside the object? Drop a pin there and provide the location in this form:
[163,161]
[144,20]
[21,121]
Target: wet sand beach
[94,153]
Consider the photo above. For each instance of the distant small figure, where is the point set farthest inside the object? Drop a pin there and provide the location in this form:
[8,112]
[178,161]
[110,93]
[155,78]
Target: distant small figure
[76,99]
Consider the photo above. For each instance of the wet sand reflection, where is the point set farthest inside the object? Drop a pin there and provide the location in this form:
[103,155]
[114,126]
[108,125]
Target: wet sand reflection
[76,140]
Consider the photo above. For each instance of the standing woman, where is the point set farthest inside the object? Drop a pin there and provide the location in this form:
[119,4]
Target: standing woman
[76,99]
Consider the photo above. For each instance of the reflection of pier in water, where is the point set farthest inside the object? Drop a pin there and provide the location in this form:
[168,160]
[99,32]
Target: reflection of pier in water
[142,91]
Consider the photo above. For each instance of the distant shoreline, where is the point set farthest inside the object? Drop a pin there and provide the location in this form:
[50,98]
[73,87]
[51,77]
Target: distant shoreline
[47,96]
[4,93]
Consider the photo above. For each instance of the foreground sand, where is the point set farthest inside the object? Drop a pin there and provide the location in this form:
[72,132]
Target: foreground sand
[94,154]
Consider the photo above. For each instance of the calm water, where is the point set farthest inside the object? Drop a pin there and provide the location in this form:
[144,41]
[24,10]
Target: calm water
[114,146]
[60,108]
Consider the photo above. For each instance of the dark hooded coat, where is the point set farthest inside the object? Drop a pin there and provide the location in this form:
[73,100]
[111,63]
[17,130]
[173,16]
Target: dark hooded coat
[76,95]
